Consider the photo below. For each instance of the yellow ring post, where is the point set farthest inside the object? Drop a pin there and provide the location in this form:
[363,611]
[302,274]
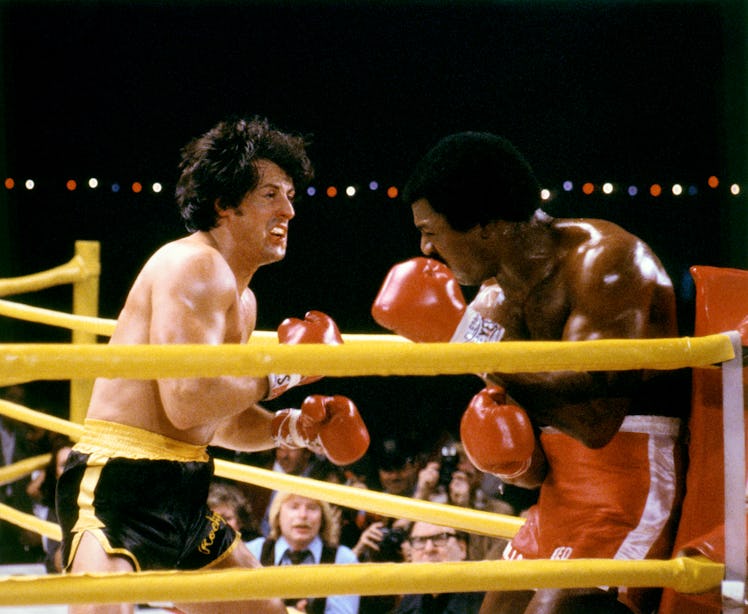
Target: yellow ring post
[85,303]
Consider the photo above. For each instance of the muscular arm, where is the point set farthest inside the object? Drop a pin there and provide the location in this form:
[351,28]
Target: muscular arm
[618,290]
[194,299]
[587,406]
[248,431]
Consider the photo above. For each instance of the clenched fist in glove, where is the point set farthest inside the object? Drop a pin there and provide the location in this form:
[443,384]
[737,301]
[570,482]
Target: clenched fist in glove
[421,300]
[498,437]
[328,425]
[316,327]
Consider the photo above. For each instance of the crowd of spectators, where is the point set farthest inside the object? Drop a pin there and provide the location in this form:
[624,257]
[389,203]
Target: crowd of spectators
[283,521]
[288,523]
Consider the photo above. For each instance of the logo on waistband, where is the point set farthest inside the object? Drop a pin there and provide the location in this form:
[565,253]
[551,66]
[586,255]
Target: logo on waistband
[215,521]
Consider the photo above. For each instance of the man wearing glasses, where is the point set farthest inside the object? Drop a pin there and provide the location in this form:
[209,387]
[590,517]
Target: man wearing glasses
[430,543]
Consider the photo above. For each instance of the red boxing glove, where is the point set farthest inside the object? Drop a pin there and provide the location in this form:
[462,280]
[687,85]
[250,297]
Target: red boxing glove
[498,438]
[421,300]
[316,327]
[326,425]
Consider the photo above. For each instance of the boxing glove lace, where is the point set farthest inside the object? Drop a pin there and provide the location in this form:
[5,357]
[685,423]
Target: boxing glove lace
[316,327]
[421,300]
[329,425]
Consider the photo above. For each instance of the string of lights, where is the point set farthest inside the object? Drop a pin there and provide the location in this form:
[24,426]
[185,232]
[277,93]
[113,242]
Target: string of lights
[587,188]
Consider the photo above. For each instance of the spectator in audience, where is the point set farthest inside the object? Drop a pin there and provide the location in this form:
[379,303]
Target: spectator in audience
[396,464]
[292,461]
[429,543]
[19,441]
[397,467]
[451,478]
[61,447]
[229,501]
[305,531]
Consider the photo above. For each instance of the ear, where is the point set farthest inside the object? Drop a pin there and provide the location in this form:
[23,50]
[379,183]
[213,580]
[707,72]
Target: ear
[220,210]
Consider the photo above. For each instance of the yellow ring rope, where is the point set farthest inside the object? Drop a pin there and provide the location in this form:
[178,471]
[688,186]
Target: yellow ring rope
[105,327]
[22,468]
[361,355]
[684,575]
[77,269]
[64,361]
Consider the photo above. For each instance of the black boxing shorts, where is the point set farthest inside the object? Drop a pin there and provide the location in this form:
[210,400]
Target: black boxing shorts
[142,496]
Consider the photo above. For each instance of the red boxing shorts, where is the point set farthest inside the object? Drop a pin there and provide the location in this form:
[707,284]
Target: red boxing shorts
[616,502]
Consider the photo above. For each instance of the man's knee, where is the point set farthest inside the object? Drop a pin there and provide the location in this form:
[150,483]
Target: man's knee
[91,556]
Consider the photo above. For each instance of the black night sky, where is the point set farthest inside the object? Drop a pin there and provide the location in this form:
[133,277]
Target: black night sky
[629,92]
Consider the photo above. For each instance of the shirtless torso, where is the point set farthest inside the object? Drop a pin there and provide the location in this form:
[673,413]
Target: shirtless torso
[194,290]
[163,307]
[561,280]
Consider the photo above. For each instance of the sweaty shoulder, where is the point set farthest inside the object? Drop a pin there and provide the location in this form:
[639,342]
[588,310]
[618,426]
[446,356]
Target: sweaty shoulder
[188,265]
[601,252]
[183,272]
[618,285]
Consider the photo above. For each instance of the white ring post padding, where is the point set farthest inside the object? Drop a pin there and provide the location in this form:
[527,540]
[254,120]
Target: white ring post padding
[733,585]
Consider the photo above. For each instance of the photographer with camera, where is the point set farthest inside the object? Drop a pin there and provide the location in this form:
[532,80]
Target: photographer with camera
[391,467]
[451,478]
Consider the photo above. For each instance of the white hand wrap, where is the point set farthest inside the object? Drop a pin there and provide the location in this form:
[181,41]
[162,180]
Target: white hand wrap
[474,328]
[288,433]
[279,383]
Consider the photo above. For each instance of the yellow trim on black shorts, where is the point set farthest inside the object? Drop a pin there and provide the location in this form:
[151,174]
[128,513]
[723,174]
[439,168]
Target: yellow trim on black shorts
[115,440]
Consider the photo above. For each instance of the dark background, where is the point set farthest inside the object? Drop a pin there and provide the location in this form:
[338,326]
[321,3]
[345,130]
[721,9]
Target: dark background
[627,92]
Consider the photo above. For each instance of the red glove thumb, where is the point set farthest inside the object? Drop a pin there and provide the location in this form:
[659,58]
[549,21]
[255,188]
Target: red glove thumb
[498,438]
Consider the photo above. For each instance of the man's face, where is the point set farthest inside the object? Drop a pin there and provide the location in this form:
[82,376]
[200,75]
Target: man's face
[398,480]
[228,514]
[461,251]
[259,224]
[300,520]
[292,460]
[430,543]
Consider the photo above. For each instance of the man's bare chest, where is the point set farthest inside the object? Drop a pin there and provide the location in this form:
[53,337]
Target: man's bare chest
[540,314]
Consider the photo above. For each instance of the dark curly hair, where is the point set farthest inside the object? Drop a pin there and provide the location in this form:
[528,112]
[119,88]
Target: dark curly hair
[473,178]
[220,166]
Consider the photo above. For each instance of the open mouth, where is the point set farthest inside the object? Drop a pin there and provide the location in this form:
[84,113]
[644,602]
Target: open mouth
[279,231]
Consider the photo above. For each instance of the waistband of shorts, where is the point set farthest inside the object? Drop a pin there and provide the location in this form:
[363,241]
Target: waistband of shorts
[651,425]
[124,441]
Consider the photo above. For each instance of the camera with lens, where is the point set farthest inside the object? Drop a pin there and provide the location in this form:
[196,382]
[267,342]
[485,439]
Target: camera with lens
[449,459]
[389,548]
